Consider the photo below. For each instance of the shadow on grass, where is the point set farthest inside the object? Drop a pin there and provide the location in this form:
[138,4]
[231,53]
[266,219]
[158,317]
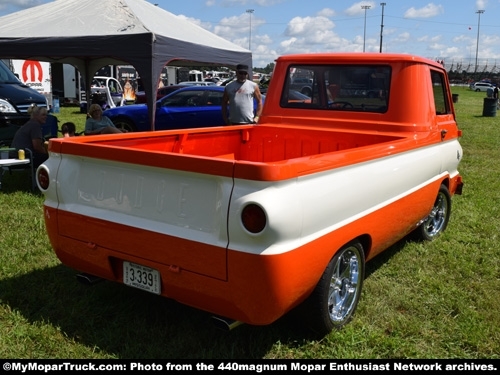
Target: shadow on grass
[127,323]
[382,258]
[17,180]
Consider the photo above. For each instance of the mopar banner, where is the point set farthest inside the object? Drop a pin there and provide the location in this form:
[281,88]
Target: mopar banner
[35,74]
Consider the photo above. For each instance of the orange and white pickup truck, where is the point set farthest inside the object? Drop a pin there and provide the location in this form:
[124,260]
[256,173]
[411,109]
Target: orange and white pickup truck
[248,222]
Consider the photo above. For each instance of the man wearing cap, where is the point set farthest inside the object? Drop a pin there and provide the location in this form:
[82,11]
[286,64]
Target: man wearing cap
[239,95]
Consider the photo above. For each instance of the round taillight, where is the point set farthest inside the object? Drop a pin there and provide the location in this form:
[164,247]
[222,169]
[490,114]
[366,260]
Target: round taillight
[253,218]
[42,176]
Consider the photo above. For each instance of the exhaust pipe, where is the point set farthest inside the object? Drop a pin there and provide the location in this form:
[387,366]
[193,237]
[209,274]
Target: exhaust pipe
[225,323]
[88,279]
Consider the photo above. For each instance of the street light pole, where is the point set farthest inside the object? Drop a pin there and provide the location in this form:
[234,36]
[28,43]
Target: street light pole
[365,7]
[382,26]
[479,12]
[250,11]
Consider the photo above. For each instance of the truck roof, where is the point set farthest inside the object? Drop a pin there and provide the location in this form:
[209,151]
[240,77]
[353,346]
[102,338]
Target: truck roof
[359,57]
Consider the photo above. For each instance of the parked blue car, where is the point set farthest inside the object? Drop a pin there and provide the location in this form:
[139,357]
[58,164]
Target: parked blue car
[190,107]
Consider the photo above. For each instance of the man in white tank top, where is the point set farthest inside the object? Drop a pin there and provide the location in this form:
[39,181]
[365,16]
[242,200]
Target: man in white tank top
[239,95]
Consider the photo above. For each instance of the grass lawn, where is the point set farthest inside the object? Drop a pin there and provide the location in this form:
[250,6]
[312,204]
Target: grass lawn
[420,300]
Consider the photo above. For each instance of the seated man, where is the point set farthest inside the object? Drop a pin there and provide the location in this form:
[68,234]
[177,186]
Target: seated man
[29,136]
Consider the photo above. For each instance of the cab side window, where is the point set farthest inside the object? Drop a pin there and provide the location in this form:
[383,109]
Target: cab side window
[441,101]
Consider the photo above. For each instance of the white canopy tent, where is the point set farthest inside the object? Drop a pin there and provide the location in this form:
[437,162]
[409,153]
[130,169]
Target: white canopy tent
[90,34]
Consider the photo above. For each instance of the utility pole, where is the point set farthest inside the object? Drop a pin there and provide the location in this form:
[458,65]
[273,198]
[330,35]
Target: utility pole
[479,12]
[250,11]
[365,7]
[382,26]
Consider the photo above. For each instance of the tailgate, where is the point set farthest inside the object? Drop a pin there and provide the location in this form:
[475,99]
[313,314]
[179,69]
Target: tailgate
[163,215]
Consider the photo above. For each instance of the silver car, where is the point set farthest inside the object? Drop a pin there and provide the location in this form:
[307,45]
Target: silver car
[481,86]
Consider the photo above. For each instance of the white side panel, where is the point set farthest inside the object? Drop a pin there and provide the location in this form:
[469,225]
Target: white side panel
[301,211]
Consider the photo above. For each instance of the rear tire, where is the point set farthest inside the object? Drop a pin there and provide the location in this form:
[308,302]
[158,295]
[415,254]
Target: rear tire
[437,220]
[334,300]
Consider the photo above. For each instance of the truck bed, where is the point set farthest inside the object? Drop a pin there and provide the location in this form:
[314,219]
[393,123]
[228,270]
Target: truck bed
[260,152]
[259,144]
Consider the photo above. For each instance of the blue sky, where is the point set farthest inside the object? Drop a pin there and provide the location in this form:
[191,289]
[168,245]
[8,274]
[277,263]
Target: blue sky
[441,29]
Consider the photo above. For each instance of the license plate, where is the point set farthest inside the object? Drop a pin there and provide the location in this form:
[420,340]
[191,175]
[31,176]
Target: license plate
[141,277]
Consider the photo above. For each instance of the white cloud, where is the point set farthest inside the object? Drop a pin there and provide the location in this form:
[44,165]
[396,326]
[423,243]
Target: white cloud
[429,39]
[205,25]
[240,3]
[306,25]
[326,12]
[481,4]
[436,46]
[311,34]
[430,10]
[356,9]
[402,38]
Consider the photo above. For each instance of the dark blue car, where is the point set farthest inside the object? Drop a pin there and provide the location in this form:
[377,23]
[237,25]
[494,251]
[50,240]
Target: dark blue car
[190,107]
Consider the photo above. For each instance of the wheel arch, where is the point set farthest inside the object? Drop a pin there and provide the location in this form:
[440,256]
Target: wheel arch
[334,299]
[446,182]
[366,242]
[364,239]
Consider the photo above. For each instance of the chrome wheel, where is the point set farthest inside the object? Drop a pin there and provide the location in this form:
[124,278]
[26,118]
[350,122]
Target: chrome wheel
[334,300]
[438,218]
[344,285]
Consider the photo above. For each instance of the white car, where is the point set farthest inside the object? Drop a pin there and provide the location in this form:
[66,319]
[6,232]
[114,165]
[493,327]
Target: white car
[481,86]
[107,91]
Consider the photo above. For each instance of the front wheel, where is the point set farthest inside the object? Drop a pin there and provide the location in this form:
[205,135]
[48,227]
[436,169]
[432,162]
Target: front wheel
[334,300]
[437,220]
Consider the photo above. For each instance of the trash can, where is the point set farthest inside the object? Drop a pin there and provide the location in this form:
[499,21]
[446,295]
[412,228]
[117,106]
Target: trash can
[454,97]
[490,107]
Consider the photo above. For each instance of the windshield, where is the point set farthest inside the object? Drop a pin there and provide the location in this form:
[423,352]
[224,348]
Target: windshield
[6,76]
